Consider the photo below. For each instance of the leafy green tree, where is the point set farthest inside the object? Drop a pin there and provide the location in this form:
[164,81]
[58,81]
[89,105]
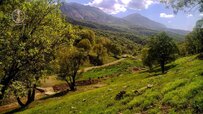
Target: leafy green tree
[147,59]
[70,60]
[115,49]
[85,44]
[87,34]
[194,41]
[162,49]
[178,5]
[27,48]
[100,52]
[182,47]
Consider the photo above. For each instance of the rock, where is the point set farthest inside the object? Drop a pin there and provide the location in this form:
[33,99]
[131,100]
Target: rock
[125,87]
[143,89]
[120,95]
[73,107]
[84,100]
[149,86]
[109,89]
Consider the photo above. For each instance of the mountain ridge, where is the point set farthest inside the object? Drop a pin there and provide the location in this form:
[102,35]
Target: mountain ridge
[93,17]
[140,20]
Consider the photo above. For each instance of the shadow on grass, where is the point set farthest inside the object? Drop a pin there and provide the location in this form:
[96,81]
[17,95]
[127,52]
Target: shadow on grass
[157,70]
[44,98]
[200,56]
[16,110]
[55,95]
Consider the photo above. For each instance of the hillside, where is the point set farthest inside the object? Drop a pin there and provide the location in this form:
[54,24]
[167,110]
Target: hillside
[135,24]
[81,12]
[139,20]
[137,91]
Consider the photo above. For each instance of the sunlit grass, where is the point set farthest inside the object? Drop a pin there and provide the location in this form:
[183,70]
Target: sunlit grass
[180,90]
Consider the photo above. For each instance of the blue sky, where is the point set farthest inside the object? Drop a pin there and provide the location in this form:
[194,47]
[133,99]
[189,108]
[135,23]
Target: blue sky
[148,8]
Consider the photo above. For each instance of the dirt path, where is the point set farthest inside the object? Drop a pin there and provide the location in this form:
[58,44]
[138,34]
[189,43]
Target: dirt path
[14,105]
[39,96]
[102,66]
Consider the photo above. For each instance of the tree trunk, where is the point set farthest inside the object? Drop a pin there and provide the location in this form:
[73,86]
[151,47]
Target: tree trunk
[72,87]
[72,84]
[162,66]
[30,98]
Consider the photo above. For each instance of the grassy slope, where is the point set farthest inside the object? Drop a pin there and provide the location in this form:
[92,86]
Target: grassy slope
[178,91]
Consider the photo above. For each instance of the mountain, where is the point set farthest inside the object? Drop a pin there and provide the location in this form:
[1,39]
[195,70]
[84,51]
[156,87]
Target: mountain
[95,18]
[87,13]
[139,20]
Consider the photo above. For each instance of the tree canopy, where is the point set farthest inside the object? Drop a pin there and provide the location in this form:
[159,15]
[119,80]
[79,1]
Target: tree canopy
[27,47]
[161,49]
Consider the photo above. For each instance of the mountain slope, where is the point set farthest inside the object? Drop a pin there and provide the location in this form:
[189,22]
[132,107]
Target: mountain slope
[87,13]
[142,21]
[178,91]
[95,18]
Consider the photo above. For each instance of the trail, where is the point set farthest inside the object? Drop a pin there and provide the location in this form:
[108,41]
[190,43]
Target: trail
[102,66]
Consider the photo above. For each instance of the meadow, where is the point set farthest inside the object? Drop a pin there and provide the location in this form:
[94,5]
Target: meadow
[180,90]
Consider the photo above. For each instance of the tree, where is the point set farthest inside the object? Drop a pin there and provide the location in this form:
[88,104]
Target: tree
[182,47]
[85,44]
[147,59]
[115,49]
[162,49]
[27,48]
[86,34]
[194,41]
[70,61]
[100,52]
[182,4]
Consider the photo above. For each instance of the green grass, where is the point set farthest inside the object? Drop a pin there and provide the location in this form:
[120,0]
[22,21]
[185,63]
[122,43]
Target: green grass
[116,69]
[180,91]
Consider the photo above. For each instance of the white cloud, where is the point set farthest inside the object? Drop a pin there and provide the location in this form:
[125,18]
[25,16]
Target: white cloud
[189,15]
[164,15]
[201,14]
[116,6]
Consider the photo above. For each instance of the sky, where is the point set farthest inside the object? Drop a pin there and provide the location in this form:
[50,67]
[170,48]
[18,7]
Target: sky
[152,9]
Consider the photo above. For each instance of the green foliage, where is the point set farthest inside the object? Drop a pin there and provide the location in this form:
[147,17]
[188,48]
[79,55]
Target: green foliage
[100,52]
[179,97]
[174,85]
[178,5]
[147,59]
[85,44]
[110,70]
[162,49]
[115,49]
[198,103]
[194,41]
[28,48]
[88,34]
[182,47]
[69,64]
[19,89]
[128,43]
